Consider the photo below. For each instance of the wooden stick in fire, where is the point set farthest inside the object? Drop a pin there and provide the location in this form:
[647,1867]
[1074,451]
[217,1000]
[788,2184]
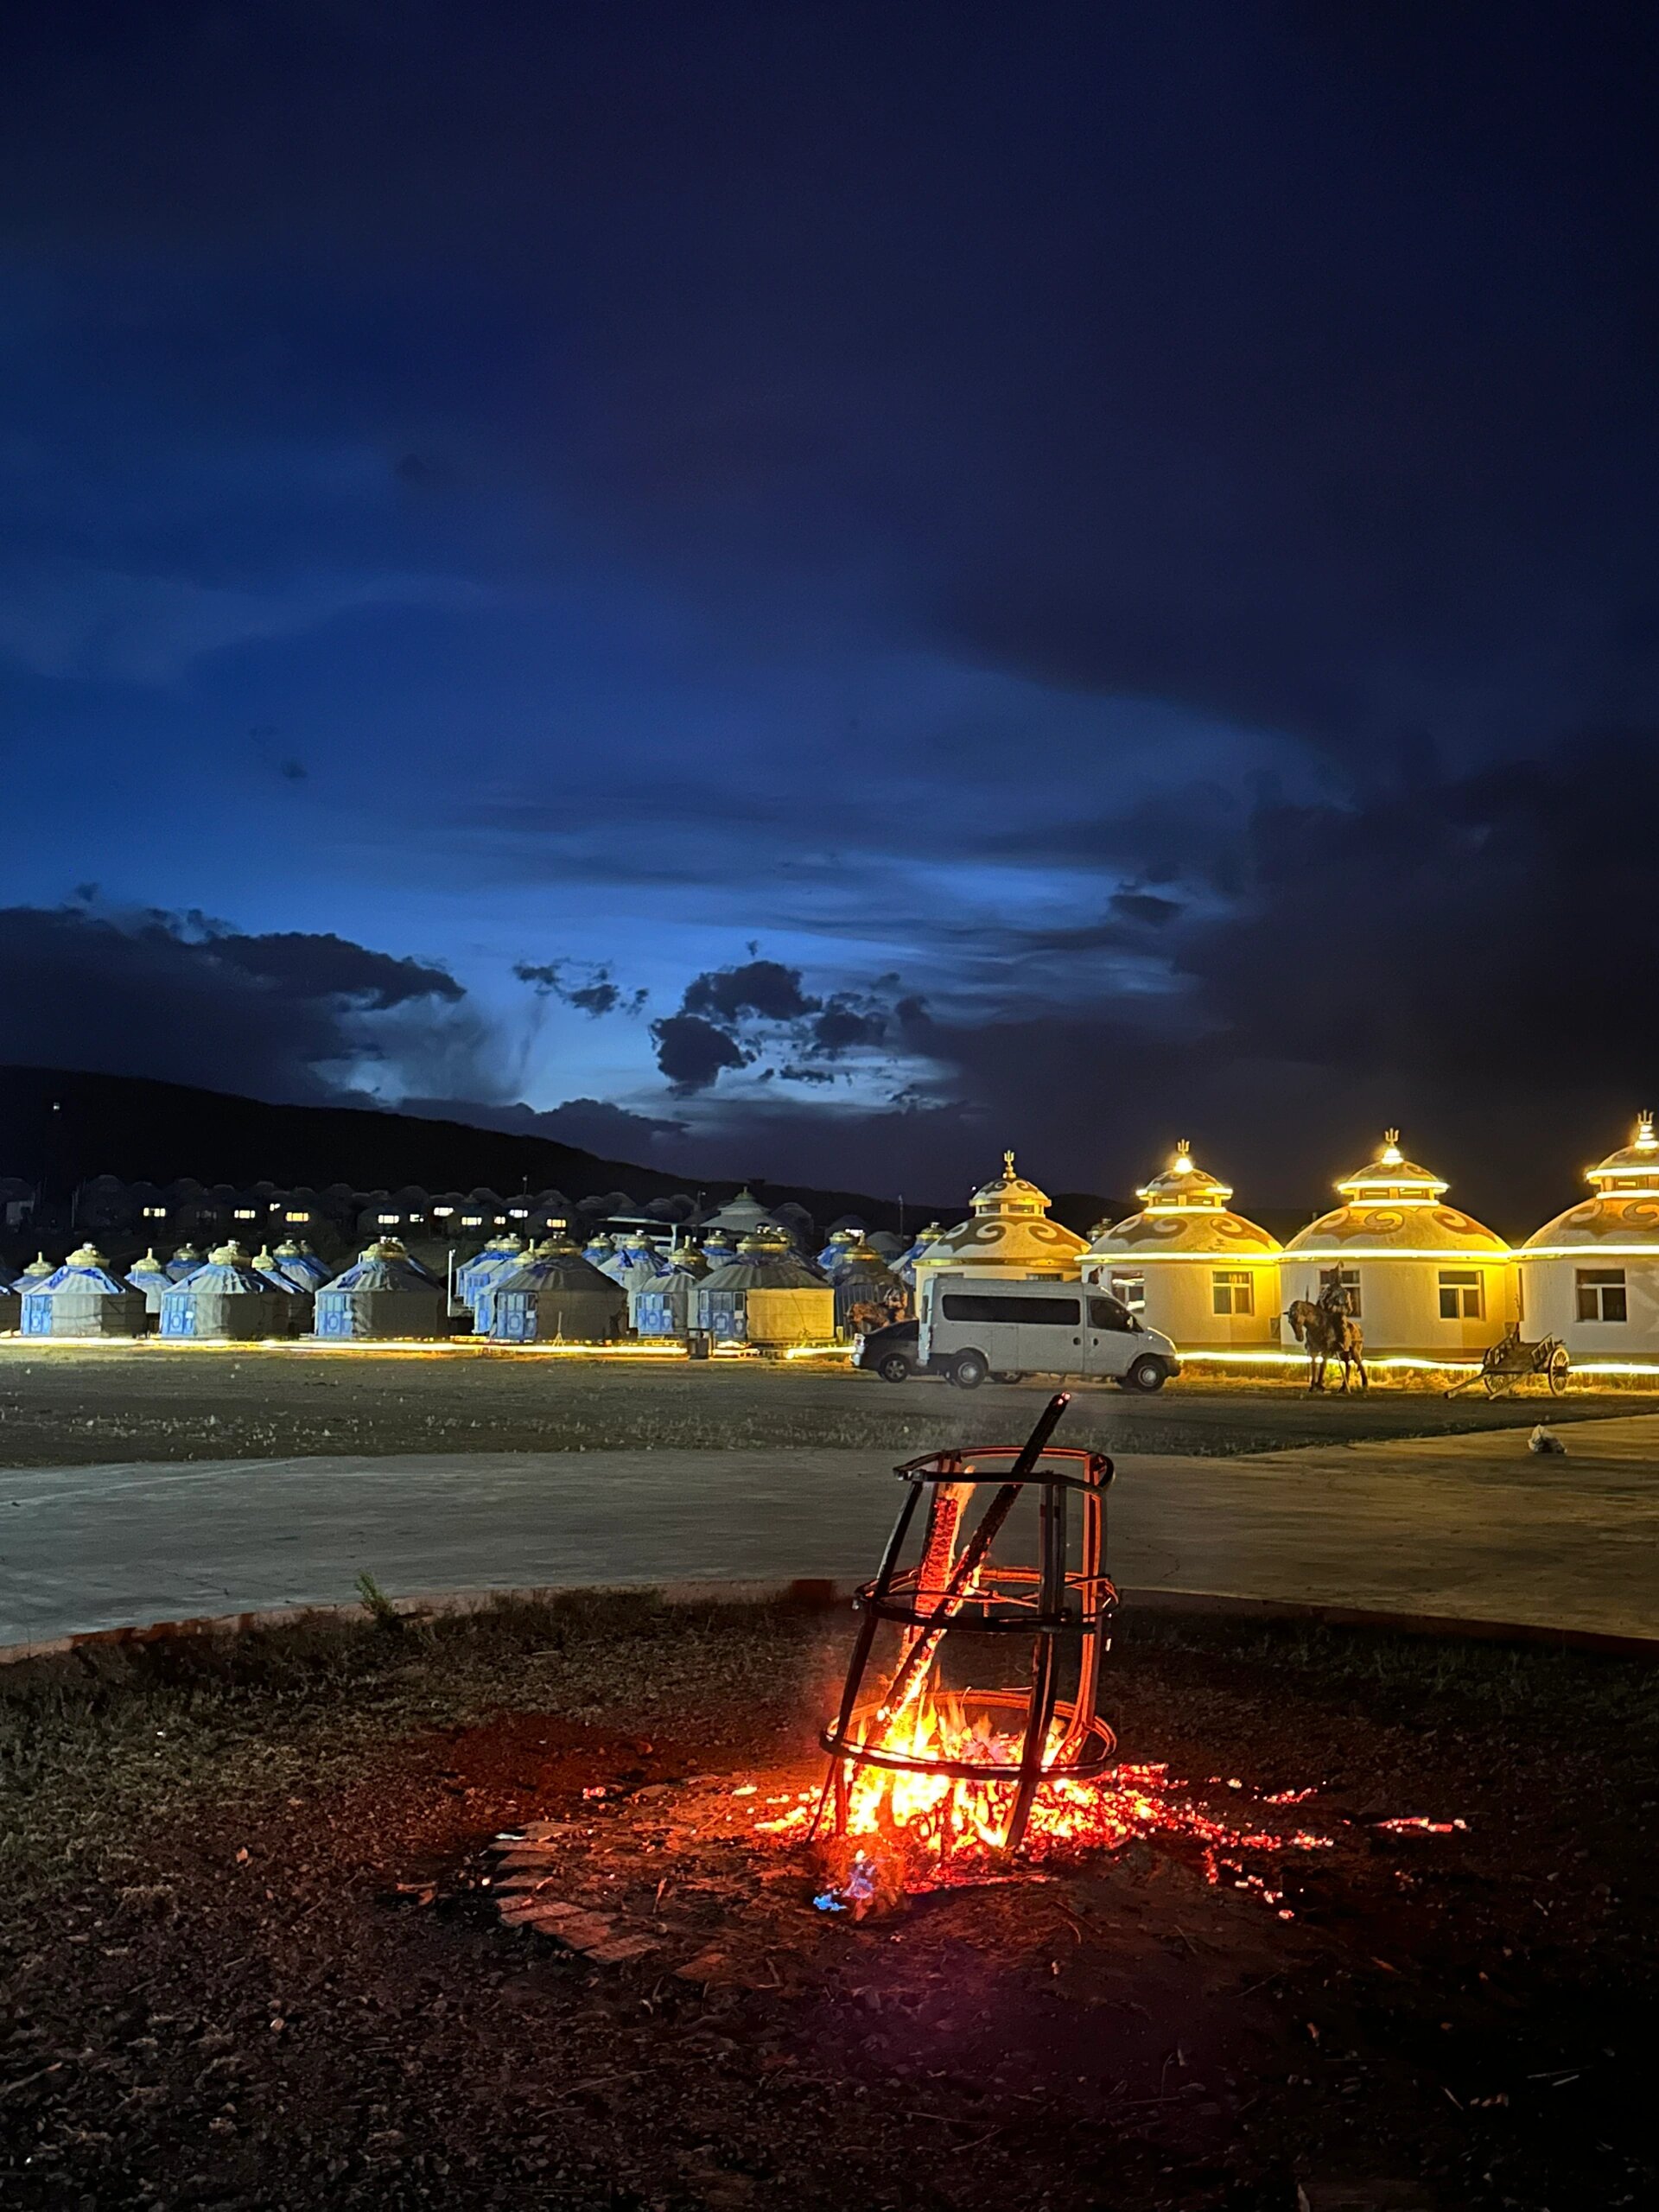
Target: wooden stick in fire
[912,1669]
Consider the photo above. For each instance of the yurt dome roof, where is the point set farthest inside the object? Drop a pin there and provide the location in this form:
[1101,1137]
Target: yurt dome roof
[1184,1215]
[863,1260]
[85,1269]
[38,1269]
[555,1263]
[1010,1229]
[1184,1184]
[384,1265]
[764,1263]
[1624,1212]
[227,1269]
[1394,1211]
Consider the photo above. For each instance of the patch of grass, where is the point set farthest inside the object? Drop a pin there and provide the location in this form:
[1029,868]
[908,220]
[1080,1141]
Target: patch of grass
[1567,1691]
[96,1743]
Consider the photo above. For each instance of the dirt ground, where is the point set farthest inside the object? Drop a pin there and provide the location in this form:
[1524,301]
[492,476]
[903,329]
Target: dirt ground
[247,1958]
[70,1406]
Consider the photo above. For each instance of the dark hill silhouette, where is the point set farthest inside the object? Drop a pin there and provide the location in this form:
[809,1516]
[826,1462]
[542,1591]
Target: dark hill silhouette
[60,1128]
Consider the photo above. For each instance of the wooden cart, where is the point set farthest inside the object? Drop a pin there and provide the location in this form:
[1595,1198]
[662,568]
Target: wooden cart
[1512,1359]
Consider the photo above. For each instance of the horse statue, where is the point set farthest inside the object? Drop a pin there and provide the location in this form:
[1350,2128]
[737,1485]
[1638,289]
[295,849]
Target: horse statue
[1328,1330]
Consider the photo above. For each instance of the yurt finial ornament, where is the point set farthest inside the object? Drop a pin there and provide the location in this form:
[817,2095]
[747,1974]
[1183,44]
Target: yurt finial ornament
[1182,1163]
[1390,1155]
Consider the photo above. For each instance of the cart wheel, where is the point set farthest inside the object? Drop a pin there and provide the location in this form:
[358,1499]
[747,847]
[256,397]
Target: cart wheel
[1494,1384]
[1559,1365]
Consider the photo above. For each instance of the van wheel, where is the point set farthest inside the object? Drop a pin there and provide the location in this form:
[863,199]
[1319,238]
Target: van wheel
[1147,1374]
[1007,1376]
[969,1371]
[895,1368]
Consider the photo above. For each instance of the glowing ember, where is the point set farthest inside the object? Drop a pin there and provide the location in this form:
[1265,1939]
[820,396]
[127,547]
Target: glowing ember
[943,1829]
[1419,1824]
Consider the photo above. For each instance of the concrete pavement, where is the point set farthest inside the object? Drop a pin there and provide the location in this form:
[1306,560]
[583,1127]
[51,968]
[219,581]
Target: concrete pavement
[1473,1526]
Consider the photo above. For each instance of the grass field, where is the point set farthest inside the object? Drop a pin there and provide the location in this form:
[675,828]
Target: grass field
[74,1406]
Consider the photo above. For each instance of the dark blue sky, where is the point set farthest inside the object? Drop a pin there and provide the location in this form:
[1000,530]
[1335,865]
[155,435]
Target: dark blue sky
[841,587]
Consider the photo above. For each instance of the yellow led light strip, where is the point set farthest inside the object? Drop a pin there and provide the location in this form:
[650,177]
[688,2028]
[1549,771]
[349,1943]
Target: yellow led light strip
[1307,1253]
[1583,1252]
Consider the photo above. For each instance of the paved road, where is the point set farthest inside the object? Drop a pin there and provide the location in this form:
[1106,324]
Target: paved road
[1471,1525]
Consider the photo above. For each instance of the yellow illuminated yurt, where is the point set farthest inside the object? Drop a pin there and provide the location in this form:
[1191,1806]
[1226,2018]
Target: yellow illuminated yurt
[1188,1265]
[1010,1234]
[1591,1276]
[1424,1281]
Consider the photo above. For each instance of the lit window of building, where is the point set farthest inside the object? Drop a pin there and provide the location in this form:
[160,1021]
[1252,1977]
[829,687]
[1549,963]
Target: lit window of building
[441,1213]
[154,1213]
[297,1217]
[1601,1294]
[1231,1291]
[1130,1291]
[387,1220]
[1460,1298]
[1345,1279]
[245,1213]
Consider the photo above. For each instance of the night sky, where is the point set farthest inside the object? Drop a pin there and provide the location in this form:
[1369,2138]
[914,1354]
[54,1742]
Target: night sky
[812,591]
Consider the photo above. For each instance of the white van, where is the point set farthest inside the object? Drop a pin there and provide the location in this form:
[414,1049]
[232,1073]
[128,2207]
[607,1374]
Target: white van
[973,1326]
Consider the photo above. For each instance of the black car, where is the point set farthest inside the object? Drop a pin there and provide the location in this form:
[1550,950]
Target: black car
[893,1353]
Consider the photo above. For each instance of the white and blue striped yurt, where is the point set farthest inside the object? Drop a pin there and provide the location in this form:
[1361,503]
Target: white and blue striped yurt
[226,1301]
[504,1251]
[380,1295]
[150,1278]
[841,1241]
[296,1287]
[662,1309]
[504,1264]
[905,1268]
[718,1249]
[556,1296]
[82,1299]
[298,1259]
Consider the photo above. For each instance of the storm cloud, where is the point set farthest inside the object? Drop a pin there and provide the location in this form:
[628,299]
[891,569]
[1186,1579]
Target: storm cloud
[1114,545]
[284,1016]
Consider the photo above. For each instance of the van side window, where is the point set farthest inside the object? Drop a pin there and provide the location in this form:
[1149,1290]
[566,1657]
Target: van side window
[1107,1313]
[1049,1312]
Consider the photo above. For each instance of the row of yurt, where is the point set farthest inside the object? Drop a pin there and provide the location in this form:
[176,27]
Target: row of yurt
[1426,1280]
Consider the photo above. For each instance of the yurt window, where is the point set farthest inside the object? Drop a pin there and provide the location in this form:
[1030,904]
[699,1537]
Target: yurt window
[296,1217]
[387,1220]
[1130,1291]
[1345,1279]
[1601,1294]
[246,1213]
[1231,1291]
[154,1213]
[1460,1298]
